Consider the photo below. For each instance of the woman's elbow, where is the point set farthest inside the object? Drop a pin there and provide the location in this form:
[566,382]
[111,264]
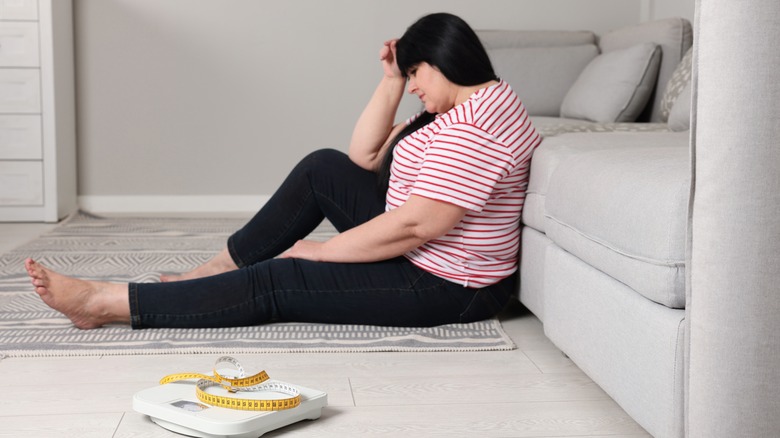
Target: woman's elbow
[429,219]
[430,230]
[361,160]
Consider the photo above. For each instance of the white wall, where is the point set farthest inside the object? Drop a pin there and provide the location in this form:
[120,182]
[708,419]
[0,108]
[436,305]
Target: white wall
[185,98]
[671,8]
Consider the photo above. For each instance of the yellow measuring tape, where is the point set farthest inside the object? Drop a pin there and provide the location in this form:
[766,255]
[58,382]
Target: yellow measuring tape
[256,383]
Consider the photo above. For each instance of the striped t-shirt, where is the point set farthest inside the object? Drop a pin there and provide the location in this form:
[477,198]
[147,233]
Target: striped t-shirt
[477,156]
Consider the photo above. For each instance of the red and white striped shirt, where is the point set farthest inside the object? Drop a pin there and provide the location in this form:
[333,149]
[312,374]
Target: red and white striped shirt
[477,156]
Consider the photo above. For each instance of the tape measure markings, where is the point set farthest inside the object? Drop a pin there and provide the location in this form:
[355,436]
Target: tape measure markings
[256,383]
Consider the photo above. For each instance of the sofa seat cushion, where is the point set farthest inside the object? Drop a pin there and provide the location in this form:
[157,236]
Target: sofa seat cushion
[623,210]
[552,126]
[588,137]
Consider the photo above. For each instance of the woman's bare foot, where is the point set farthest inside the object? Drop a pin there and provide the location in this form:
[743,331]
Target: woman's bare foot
[88,304]
[221,263]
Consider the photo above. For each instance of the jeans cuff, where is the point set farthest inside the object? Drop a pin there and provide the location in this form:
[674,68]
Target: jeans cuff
[135,313]
[234,254]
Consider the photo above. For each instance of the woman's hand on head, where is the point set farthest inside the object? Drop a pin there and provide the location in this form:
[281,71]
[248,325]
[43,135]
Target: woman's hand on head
[388,57]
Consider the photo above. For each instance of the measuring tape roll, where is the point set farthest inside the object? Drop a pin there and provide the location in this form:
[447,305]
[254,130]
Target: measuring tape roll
[255,383]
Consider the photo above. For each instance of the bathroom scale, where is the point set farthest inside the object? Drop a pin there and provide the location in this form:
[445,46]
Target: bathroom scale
[227,404]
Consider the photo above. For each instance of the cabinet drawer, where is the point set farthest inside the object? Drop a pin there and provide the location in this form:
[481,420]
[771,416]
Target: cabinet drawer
[19,44]
[20,91]
[20,137]
[18,9]
[21,183]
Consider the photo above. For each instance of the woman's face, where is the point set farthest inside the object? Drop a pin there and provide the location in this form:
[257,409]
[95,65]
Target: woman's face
[436,92]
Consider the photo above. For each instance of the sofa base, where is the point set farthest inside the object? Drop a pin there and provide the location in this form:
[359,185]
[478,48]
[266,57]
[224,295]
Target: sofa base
[534,246]
[629,345]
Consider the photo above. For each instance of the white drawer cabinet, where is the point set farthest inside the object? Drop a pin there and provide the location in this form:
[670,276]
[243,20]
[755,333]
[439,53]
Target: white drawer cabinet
[20,137]
[19,10]
[19,44]
[21,183]
[20,90]
[37,110]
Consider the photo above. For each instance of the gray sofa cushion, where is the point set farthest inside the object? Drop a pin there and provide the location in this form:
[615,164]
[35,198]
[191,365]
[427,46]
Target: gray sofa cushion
[555,150]
[681,77]
[560,66]
[680,116]
[674,35]
[623,210]
[615,86]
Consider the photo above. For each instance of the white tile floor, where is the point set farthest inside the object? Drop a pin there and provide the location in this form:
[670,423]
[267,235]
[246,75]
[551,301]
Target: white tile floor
[533,391]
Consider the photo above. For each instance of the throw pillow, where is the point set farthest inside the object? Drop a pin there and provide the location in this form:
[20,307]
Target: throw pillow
[615,86]
[674,35]
[680,78]
[680,114]
[558,66]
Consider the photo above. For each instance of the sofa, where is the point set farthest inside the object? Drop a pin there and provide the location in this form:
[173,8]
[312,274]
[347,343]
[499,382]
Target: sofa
[732,361]
[603,258]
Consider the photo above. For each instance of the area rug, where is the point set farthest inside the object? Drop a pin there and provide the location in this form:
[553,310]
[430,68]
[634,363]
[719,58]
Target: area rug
[139,250]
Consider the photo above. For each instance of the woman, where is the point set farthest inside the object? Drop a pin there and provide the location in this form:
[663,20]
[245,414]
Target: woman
[428,214]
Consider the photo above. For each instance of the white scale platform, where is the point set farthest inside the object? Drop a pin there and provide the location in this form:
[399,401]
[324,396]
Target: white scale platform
[175,407]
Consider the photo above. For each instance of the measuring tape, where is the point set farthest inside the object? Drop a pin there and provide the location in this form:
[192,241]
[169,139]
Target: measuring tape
[256,383]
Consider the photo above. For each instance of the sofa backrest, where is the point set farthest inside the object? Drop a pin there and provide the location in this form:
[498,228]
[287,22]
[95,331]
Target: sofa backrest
[540,65]
[500,39]
[543,65]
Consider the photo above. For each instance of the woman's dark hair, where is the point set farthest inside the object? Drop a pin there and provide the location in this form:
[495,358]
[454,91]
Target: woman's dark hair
[448,43]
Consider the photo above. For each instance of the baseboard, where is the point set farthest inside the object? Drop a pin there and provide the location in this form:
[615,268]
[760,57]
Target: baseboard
[173,204]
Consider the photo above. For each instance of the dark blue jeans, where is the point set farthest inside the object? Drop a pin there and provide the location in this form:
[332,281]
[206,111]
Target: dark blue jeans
[325,184]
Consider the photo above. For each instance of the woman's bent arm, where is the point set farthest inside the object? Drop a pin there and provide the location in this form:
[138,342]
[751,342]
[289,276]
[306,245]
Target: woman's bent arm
[388,235]
[374,129]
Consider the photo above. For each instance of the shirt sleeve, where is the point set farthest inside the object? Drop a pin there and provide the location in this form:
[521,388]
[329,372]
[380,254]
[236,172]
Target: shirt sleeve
[462,166]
